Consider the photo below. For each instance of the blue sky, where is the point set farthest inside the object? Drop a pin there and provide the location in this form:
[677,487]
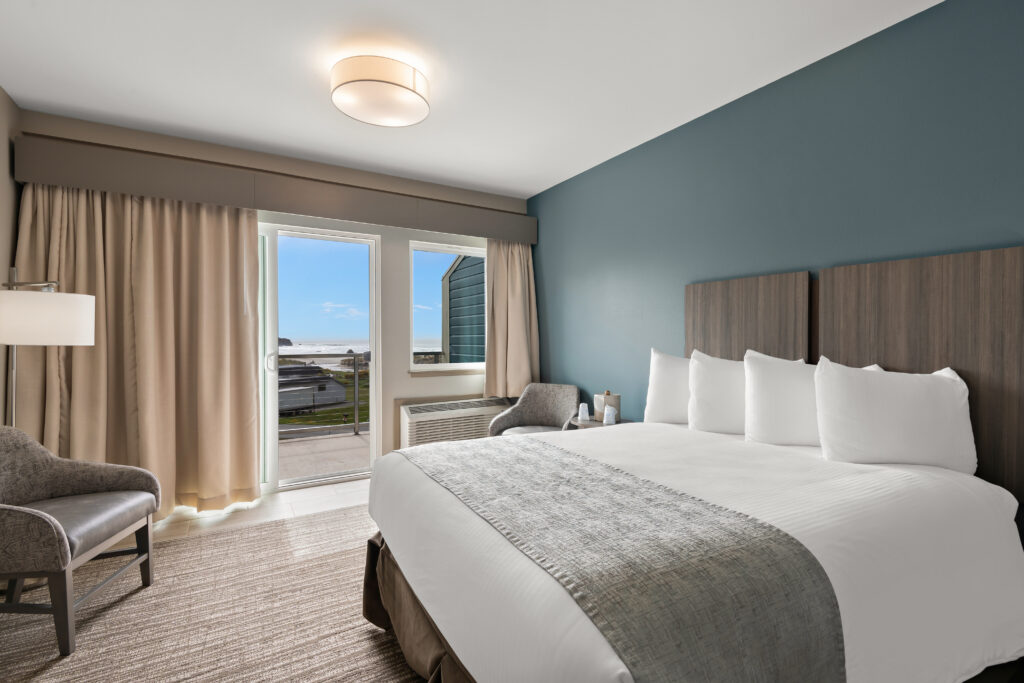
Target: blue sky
[323,290]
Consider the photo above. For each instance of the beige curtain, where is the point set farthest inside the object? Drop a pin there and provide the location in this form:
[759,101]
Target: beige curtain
[513,340]
[171,384]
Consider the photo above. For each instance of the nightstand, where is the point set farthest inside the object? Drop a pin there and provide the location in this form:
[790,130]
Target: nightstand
[588,424]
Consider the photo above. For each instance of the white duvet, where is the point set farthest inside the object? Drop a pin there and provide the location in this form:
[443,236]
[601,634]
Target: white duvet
[926,563]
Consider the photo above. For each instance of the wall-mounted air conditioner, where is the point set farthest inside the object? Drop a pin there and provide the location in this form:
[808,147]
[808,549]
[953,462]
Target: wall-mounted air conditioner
[448,420]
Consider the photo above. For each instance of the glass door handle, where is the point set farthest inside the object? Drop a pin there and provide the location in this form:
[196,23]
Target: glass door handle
[270,362]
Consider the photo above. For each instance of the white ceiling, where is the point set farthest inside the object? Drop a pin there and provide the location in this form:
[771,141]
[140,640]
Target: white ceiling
[524,93]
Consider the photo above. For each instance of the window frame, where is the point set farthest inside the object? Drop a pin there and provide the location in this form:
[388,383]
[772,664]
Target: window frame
[441,248]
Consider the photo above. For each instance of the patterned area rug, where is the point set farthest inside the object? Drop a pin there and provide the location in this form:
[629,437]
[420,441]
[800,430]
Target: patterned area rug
[271,602]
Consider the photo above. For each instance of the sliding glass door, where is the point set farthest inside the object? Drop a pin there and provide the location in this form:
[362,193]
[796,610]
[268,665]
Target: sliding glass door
[321,370]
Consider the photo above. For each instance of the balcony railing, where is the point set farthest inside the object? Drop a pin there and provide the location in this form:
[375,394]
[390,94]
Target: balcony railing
[322,393]
[332,395]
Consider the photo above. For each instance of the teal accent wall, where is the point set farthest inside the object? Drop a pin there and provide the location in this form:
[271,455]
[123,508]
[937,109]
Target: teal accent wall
[906,144]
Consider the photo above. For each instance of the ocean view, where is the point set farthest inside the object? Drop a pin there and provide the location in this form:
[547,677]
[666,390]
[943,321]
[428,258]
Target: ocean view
[344,345]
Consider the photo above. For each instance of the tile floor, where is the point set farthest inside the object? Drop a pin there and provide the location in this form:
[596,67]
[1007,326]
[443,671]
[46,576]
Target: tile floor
[186,521]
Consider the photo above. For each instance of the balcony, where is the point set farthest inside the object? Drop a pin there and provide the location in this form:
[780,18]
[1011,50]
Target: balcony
[318,395]
[323,415]
[428,357]
[313,457]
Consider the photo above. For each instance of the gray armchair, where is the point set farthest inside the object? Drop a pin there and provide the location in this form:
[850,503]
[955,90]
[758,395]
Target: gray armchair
[541,408]
[57,514]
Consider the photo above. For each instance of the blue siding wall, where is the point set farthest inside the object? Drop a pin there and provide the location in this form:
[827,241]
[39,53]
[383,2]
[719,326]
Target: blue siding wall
[908,143]
[466,311]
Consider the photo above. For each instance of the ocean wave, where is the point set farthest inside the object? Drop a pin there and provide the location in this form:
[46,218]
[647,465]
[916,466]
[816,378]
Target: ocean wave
[354,346]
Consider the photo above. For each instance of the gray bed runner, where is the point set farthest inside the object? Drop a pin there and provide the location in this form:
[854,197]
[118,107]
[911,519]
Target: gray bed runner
[682,590]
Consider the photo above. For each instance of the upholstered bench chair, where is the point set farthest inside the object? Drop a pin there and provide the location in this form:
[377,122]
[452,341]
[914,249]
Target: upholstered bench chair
[57,514]
[540,408]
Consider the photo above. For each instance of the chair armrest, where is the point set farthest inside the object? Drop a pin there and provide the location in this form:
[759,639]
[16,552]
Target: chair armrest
[31,541]
[568,423]
[504,420]
[28,471]
[76,477]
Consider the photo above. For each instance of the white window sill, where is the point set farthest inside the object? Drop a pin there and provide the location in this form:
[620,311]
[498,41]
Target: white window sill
[437,369]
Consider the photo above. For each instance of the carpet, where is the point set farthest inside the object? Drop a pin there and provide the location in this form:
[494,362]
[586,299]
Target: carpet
[275,601]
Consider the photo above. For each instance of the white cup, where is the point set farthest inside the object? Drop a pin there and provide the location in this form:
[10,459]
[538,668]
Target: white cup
[584,412]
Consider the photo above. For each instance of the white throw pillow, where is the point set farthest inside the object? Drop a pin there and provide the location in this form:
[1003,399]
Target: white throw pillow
[868,416]
[716,394]
[780,405]
[668,389]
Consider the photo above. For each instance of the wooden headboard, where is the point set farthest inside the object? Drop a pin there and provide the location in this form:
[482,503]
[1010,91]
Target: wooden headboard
[769,314]
[965,311]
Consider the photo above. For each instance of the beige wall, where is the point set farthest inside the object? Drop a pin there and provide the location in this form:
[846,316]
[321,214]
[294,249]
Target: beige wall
[396,333]
[9,124]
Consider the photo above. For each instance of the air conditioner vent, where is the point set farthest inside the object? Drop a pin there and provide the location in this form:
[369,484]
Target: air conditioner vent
[457,405]
[448,420]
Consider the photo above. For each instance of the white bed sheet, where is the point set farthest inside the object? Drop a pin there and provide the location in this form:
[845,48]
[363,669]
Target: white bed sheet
[925,563]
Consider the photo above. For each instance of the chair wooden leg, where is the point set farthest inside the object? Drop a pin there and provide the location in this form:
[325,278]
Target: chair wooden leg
[62,597]
[13,591]
[144,542]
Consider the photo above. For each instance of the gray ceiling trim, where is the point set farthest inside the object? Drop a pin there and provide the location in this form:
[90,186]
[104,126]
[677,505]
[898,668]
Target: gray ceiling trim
[72,163]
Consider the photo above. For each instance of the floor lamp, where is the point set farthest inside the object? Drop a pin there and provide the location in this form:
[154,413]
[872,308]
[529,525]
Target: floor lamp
[35,314]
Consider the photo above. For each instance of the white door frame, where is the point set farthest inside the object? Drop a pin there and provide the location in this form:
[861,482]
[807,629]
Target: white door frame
[269,430]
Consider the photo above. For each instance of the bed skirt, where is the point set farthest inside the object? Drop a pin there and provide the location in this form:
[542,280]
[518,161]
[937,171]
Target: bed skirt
[389,602]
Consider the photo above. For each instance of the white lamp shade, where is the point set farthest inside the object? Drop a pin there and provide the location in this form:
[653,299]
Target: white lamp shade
[30,318]
[380,90]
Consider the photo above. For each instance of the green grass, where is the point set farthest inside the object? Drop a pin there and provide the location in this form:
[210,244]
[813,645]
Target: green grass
[341,415]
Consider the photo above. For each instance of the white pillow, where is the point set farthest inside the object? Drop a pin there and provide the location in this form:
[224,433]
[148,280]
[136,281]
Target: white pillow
[668,389]
[868,416]
[716,394]
[780,406]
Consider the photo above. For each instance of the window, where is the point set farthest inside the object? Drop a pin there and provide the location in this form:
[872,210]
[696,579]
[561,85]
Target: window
[448,306]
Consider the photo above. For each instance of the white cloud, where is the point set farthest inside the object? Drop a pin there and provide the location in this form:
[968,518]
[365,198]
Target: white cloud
[344,311]
[350,313]
[330,307]
[422,307]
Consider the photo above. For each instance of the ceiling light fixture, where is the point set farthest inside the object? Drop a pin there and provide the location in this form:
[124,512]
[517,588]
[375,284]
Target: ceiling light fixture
[379,90]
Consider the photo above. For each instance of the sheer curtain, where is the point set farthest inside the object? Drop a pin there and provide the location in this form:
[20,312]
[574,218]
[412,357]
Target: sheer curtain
[513,340]
[171,384]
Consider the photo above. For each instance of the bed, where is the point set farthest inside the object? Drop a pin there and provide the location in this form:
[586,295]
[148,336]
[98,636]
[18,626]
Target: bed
[925,563]
[900,524]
